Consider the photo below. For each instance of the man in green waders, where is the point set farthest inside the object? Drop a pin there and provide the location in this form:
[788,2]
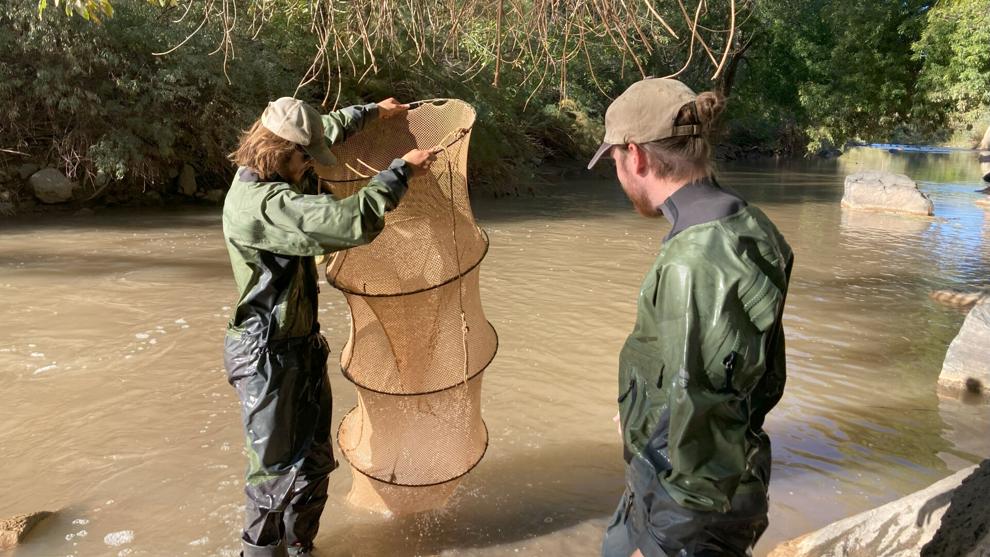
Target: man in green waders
[705,360]
[274,353]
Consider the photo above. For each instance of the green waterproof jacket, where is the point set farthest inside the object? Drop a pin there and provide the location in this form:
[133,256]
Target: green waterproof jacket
[273,229]
[705,361]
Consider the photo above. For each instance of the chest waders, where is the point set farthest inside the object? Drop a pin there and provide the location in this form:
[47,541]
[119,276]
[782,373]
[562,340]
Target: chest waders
[275,357]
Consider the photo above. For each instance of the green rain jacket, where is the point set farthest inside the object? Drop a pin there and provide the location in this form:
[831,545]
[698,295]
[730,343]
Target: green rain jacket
[705,361]
[273,229]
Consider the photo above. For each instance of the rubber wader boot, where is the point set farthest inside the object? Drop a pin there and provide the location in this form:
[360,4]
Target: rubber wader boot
[277,550]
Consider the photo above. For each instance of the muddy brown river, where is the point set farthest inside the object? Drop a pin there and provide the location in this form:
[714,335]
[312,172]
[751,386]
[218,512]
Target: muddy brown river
[116,412]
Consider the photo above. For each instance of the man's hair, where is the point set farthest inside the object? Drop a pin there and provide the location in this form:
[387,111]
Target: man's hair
[685,157]
[262,151]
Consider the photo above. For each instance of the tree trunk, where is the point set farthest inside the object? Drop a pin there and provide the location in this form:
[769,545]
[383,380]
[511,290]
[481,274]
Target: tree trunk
[728,77]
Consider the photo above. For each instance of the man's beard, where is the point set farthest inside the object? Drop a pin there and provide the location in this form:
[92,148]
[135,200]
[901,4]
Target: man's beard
[641,202]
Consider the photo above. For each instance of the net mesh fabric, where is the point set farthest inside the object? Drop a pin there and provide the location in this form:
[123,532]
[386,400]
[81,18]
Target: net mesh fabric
[419,340]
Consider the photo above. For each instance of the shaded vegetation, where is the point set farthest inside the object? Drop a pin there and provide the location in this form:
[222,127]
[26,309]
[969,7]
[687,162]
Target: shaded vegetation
[94,100]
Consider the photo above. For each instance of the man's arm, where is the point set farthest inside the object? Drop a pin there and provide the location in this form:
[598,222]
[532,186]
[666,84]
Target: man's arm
[292,223]
[341,124]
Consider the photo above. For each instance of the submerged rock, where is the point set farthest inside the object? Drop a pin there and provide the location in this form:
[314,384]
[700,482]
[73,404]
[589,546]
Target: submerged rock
[51,186]
[883,191]
[14,530]
[955,298]
[967,367]
[898,529]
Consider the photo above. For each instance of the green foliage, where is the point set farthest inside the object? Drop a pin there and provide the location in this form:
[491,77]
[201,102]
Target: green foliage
[802,74]
[94,99]
[840,70]
[954,52]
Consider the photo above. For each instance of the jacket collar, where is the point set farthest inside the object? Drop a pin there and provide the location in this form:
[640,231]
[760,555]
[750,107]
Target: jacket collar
[698,202]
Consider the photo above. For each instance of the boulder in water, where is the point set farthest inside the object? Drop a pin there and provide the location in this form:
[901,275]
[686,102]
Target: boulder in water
[965,528]
[900,528]
[884,191]
[967,367]
[51,186]
[14,530]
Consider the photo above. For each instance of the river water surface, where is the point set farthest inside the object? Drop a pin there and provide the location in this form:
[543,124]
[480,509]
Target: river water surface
[116,413]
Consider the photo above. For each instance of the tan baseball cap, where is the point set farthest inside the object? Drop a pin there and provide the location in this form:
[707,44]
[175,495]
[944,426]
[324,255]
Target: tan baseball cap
[646,112]
[295,121]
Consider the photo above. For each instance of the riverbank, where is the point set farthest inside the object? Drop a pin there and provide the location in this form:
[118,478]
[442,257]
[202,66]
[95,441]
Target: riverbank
[187,189]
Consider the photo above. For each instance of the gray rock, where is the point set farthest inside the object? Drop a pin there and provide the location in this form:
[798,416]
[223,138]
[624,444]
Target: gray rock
[965,527]
[51,186]
[985,165]
[966,367]
[187,181]
[897,529]
[883,191]
[101,179]
[215,195]
[14,530]
[27,169]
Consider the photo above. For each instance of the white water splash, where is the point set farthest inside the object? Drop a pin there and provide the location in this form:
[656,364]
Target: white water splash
[115,539]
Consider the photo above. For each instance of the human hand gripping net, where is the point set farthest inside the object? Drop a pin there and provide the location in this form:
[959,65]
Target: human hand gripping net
[419,340]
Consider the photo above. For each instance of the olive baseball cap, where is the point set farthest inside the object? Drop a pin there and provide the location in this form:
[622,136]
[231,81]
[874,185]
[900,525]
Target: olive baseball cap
[646,112]
[295,121]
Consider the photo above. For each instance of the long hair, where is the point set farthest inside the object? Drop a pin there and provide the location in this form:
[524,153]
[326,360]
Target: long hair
[687,157]
[262,151]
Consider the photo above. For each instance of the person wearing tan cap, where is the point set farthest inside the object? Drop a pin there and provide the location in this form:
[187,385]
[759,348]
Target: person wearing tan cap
[704,363]
[274,354]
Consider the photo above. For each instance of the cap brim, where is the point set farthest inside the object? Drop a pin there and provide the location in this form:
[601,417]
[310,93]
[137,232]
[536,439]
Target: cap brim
[321,153]
[605,148]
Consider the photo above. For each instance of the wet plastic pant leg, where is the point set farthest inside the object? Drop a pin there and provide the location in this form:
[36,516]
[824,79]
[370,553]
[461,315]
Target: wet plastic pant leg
[285,399]
[649,520]
[302,517]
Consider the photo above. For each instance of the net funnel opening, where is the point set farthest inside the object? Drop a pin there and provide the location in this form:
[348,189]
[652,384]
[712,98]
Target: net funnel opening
[419,340]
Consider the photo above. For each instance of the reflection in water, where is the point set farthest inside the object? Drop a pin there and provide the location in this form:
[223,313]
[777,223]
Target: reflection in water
[116,409]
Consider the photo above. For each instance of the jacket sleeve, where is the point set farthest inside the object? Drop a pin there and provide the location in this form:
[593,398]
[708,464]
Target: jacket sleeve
[292,223]
[341,124]
[714,321]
